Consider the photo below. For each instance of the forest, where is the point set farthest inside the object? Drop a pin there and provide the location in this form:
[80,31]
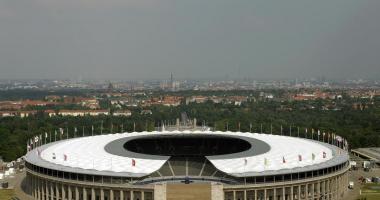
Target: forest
[360,127]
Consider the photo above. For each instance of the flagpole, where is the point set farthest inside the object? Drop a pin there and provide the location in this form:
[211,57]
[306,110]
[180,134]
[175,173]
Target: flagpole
[318,134]
[101,127]
[298,131]
[323,137]
[271,129]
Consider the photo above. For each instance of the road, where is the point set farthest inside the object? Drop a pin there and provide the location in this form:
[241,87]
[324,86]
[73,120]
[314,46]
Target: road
[353,194]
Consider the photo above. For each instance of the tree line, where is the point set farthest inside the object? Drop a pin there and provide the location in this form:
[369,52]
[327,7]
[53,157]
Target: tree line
[360,127]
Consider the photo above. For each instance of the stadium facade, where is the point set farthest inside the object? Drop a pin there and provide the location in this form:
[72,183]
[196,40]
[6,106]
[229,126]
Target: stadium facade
[140,166]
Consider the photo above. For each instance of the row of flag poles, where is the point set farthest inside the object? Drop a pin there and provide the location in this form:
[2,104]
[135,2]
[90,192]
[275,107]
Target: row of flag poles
[314,134]
[266,160]
[60,134]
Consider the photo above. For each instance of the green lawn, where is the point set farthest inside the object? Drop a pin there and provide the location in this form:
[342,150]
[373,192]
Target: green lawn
[6,194]
[371,192]
[370,197]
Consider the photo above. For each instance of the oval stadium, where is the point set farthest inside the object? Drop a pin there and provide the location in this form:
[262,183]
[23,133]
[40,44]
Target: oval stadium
[188,164]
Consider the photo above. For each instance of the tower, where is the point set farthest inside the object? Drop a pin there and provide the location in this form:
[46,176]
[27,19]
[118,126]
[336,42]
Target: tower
[172,85]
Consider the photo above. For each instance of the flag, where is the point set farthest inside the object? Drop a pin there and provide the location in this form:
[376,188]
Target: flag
[324,134]
[324,154]
[61,131]
[313,156]
[299,158]
[245,161]
[64,157]
[319,132]
[46,135]
[265,161]
[133,163]
[283,159]
[38,152]
[305,130]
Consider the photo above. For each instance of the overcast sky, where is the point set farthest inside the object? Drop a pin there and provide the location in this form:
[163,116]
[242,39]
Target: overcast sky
[149,39]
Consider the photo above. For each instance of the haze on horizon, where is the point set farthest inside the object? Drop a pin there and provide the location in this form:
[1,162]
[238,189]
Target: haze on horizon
[149,39]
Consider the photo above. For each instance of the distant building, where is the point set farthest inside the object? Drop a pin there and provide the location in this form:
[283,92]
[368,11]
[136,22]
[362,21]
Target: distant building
[53,98]
[76,113]
[146,112]
[125,113]
[21,114]
[88,102]
[110,87]
[51,113]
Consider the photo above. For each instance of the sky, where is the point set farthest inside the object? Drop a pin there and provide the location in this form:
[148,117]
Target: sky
[197,39]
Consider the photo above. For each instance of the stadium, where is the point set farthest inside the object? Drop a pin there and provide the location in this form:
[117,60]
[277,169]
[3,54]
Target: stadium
[187,164]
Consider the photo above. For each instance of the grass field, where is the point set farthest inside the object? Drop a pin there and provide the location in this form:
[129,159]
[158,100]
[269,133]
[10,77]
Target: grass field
[6,194]
[371,192]
[188,192]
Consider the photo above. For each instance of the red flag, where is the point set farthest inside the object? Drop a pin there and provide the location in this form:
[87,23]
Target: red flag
[64,157]
[283,159]
[133,162]
[299,158]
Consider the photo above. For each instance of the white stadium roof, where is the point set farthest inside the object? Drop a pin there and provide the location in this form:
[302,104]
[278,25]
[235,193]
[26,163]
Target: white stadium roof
[89,154]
